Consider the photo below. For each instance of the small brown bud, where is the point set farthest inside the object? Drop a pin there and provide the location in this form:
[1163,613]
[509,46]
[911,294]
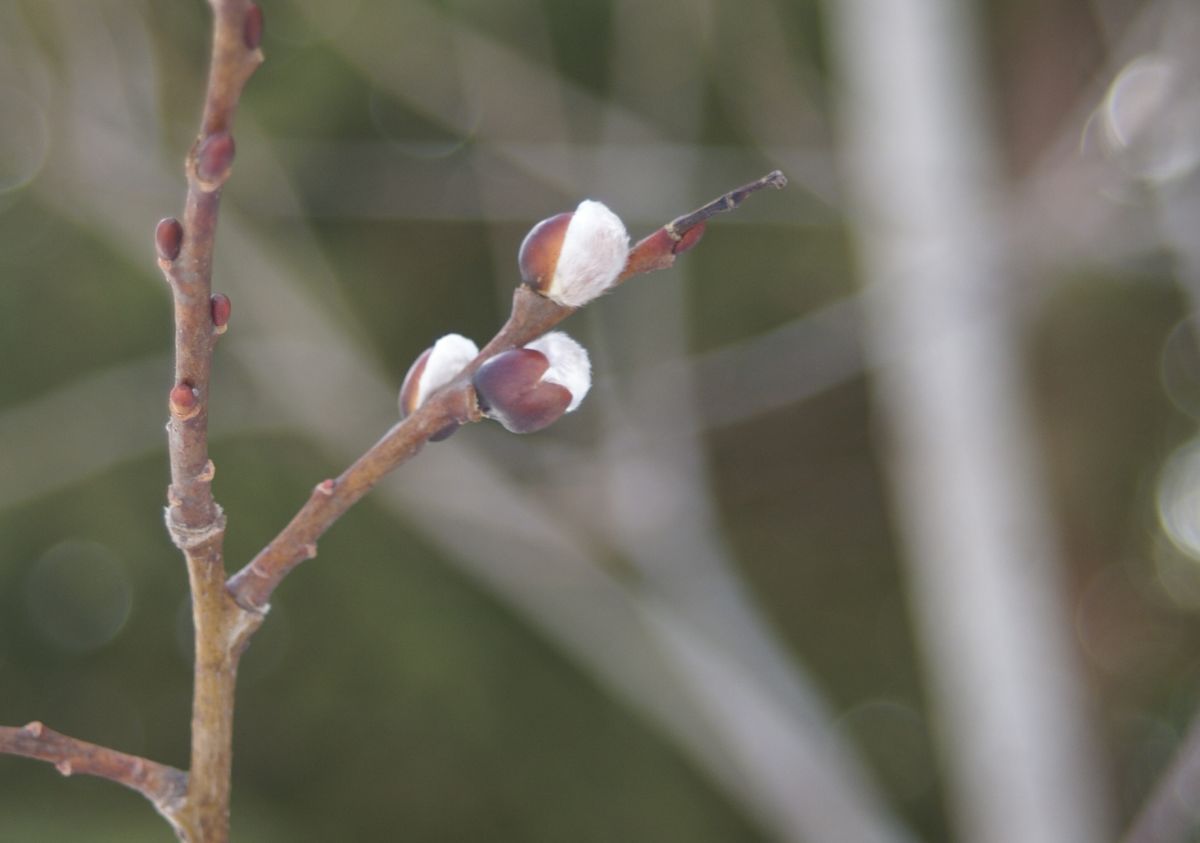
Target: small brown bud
[222,308]
[184,401]
[214,157]
[326,486]
[168,239]
[65,767]
[410,391]
[690,238]
[34,728]
[252,27]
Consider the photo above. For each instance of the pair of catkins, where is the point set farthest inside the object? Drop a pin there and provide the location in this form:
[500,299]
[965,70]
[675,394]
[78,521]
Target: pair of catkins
[570,258]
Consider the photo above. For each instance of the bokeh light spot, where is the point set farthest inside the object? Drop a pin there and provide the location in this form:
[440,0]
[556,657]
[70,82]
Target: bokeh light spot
[1179,498]
[1150,125]
[78,595]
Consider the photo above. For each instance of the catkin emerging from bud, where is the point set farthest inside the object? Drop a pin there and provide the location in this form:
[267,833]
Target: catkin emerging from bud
[572,258]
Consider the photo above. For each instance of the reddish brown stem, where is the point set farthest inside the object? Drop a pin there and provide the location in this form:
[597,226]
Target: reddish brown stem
[659,250]
[194,519]
[532,315]
[164,786]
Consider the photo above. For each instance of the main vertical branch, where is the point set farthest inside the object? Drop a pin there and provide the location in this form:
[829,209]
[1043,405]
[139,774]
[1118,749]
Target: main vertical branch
[194,519]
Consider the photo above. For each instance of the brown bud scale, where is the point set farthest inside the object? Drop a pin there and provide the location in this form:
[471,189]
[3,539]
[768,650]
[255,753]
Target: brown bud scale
[408,389]
[538,257]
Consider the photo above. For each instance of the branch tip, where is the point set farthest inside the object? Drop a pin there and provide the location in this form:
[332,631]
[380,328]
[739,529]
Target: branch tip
[677,228]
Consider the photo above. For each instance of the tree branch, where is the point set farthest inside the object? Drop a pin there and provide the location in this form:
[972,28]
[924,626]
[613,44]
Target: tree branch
[164,786]
[532,315]
[194,519]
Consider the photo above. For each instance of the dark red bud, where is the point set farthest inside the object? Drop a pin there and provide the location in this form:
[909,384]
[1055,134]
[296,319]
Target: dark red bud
[690,238]
[222,308]
[540,249]
[510,390]
[214,157]
[252,27]
[184,401]
[168,238]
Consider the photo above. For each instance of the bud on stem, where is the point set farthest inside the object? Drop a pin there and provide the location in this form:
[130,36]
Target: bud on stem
[168,239]
[527,389]
[571,258]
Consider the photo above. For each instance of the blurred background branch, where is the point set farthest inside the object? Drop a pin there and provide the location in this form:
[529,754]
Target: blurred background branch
[984,574]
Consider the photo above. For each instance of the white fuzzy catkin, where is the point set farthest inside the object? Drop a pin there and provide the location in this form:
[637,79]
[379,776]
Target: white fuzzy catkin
[448,357]
[569,364]
[594,250]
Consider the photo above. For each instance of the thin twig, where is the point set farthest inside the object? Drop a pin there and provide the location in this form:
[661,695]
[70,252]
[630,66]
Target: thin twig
[531,316]
[164,786]
[194,519]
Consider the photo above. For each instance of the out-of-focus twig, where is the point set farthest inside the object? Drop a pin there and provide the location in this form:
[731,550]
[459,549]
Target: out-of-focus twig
[982,562]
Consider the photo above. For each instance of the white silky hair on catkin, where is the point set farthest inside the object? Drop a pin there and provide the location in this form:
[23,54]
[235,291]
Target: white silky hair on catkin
[594,252]
[569,364]
[450,354]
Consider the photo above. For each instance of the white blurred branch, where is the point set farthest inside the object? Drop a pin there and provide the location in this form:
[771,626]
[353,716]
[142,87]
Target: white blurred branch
[982,562]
